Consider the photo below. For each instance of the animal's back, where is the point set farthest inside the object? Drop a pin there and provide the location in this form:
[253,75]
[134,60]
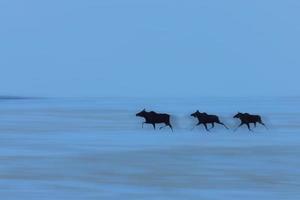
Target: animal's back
[211,118]
[215,117]
[152,113]
[164,116]
[251,118]
[159,117]
[257,117]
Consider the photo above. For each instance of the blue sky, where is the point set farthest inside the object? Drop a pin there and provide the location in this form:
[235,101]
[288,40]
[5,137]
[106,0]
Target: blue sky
[149,48]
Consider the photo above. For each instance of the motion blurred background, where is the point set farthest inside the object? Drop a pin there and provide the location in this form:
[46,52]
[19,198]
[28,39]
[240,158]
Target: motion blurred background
[75,72]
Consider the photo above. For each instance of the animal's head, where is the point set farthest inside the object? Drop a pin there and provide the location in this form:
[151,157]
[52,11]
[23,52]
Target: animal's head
[195,114]
[238,115]
[141,114]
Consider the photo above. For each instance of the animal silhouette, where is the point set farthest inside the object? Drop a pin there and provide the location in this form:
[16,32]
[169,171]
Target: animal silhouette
[247,118]
[155,118]
[204,118]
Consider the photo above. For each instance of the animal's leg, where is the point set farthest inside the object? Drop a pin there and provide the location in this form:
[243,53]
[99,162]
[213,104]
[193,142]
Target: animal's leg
[223,124]
[212,125]
[254,124]
[163,126]
[263,124]
[195,126]
[248,125]
[143,124]
[167,124]
[154,126]
[241,124]
[171,127]
[205,125]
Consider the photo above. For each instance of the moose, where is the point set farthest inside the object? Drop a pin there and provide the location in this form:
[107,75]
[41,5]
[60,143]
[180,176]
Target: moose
[247,118]
[155,118]
[204,118]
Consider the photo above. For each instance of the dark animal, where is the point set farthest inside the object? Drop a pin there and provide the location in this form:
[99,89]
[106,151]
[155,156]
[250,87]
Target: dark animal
[247,118]
[204,118]
[155,118]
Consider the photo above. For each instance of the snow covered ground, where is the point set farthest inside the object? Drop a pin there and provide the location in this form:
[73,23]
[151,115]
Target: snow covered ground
[96,149]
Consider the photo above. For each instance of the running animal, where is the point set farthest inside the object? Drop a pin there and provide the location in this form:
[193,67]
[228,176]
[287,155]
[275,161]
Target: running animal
[247,118]
[204,118]
[155,118]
